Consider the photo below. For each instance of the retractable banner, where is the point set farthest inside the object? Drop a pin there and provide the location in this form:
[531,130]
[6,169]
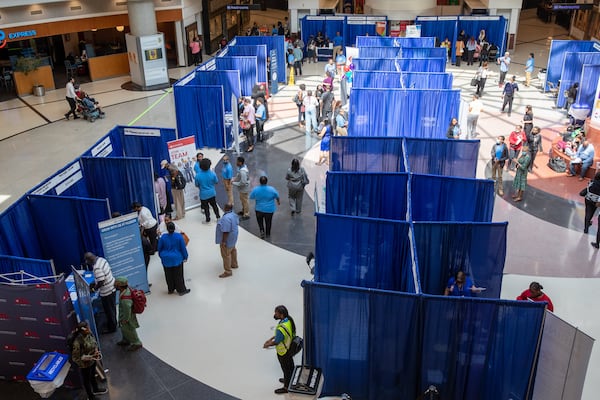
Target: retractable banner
[182,153]
[122,245]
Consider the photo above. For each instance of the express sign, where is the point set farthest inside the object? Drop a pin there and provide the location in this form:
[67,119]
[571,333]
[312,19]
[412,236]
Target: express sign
[15,35]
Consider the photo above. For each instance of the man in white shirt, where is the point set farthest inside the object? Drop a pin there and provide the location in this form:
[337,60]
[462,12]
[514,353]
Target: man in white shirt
[105,286]
[71,98]
[162,228]
[475,107]
[148,224]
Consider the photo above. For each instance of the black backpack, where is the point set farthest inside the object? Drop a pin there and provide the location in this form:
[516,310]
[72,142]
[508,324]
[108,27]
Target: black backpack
[557,164]
[179,181]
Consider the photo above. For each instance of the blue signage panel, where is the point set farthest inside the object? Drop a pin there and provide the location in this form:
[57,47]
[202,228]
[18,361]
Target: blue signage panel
[273,69]
[122,245]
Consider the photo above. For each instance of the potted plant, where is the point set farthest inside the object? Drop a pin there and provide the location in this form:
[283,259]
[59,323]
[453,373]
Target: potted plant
[31,76]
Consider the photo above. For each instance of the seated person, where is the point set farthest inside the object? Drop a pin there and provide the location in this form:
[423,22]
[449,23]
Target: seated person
[534,293]
[89,102]
[320,39]
[460,285]
[571,148]
[583,157]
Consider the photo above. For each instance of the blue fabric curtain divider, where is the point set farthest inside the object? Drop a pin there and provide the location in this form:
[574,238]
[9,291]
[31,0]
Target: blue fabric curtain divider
[380,345]
[259,51]
[485,348]
[248,67]
[401,80]
[19,234]
[441,28]
[230,80]
[494,25]
[401,64]
[401,52]
[556,57]
[571,73]
[367,194]
[200,112]
[39,268]
[585,96]
[397,112]
[365,341]
[329,25]
[443,198]
[154,147]
[68,181]
[78,221]
[364,252]
[442,157]
[273,43]
[120,180]
[367,154]
[444,248]
[377,41]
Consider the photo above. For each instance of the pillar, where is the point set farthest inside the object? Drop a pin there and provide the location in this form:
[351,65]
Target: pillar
[142,17]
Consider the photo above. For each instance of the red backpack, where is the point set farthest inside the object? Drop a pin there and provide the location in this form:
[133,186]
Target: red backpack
[139,300]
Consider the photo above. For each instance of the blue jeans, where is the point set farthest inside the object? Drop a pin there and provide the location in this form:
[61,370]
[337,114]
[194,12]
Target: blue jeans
[584,168]
[310,120]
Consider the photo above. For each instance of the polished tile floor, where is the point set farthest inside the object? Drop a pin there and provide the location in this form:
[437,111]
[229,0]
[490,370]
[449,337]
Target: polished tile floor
[215,334]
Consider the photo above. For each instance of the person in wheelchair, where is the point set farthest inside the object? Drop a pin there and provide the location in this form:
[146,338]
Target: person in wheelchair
[89,103]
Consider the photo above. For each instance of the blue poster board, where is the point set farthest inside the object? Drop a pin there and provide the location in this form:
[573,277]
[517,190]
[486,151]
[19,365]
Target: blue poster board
[273,68]
[122,247]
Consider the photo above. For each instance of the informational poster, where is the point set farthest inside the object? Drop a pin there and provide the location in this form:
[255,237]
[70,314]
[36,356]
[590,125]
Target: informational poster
[380,28]
[182,153]
[122,245]
[395,28]
[413,31]
[595,120]
[273,68]
[84,302]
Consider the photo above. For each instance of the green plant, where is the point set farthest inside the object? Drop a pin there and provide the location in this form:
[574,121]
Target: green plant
[27,64]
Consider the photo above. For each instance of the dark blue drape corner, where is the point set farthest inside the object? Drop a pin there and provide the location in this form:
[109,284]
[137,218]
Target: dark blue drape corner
[276,43]
[367,154]
[200,112]
[247,67]
[19,234]
[442,157]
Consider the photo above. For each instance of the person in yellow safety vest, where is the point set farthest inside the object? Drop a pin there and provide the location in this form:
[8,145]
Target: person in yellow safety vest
[284,333]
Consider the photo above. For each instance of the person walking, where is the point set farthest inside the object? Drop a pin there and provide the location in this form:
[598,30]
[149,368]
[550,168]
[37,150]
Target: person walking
[499,156]
[508,94]
[71,97]
[527,121]
[84,353]
[173,253]
[520,181]
[250,117]
[535,145]
[529,65]
[311,104]
[265,196]
[298,56]
[516,140]
[592,198]
[284,334]
[226,234]
[504,63]
[242,182]
[226,176]
[261,117]
[297,179]
[127,318]
[475,107]
[104,283]
[325,137]
[483,73]
[205,181]
[196,49]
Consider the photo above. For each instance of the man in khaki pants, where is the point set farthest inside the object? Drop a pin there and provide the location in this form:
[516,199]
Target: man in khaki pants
[242,181]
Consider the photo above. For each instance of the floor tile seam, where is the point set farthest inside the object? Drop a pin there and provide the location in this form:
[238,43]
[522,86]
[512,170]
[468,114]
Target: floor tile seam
[34,110]
[25,131]
[13,108]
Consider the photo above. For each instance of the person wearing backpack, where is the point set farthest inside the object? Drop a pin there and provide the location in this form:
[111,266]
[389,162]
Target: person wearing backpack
[284,334]
[127,318]
[84,353]
[508,94]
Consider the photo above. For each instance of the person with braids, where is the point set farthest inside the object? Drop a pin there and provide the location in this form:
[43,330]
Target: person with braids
[284,333]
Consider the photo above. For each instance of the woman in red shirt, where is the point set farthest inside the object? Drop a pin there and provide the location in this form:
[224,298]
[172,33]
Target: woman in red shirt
[534,293]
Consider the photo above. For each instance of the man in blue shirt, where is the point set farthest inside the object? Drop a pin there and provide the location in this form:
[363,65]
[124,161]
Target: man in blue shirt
[585,157]
[338,41]
[206,180]
[298,56]
[261,116]
[226,236]
[528,69]
[265,197]
[504,65]
[226,176]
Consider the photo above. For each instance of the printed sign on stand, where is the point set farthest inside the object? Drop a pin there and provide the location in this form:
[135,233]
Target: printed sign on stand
[182,153]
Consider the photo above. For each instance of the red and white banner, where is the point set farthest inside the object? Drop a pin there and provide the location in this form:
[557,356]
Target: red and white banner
[182,153]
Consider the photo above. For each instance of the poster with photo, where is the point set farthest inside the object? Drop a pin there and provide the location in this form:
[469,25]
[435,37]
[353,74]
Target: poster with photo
[182,153]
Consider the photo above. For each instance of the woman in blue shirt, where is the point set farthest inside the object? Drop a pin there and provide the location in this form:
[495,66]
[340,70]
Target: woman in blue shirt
[206,180]
[265,207]
[460,285]
[172,253]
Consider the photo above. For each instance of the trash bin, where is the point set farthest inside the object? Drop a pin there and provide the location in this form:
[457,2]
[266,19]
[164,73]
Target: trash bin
[39,90]
[306,383]
[49,373]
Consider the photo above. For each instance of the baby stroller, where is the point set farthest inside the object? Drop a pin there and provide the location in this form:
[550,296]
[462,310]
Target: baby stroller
[87,108]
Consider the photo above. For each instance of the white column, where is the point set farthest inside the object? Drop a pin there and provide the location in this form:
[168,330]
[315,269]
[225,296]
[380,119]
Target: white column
[142,18]
[293,20]
[180,43]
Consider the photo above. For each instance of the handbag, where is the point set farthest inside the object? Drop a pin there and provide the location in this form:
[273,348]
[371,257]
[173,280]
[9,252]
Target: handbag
[474,81]
[557,164]
[302,108]
[296,345]
[245,124]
